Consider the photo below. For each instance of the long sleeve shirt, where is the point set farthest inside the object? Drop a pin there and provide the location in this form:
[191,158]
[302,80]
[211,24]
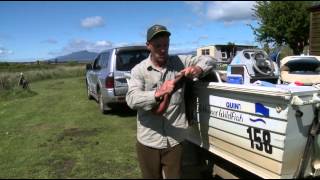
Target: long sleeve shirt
[168,129]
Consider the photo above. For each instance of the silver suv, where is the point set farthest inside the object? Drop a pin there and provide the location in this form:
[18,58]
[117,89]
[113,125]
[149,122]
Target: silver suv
[105,78]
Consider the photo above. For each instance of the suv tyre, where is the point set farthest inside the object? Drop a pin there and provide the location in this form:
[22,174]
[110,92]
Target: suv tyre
[88,92]
[102,106]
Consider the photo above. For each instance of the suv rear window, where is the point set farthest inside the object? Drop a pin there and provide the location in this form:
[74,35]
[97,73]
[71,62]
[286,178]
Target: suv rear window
[126,60]
[304,66]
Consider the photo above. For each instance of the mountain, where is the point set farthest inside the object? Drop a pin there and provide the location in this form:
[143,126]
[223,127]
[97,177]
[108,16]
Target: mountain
[188,53]
[86,56]
[185,53]
[80,56]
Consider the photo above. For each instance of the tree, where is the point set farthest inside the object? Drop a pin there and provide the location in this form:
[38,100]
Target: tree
[266,48]
[231,48]
[283,22]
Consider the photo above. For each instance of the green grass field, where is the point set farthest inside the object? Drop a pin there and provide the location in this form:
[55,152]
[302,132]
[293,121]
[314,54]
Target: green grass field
[53,131]
[9,78]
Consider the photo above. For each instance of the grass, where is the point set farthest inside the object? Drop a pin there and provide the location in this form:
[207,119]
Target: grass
[53,131]
[9,79]
[23,67]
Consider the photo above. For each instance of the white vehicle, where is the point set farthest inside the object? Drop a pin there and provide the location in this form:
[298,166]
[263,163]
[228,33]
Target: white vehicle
[105,78]
[304,70]
[269,131]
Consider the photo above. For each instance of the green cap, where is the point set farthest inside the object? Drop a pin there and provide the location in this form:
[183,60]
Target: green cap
[156,29]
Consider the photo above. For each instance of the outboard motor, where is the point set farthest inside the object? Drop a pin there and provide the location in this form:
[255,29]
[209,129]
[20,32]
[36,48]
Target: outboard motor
[250,65]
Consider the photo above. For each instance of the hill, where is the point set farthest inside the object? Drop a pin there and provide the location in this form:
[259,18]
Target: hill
[186,53]
[86,56]
[80,56]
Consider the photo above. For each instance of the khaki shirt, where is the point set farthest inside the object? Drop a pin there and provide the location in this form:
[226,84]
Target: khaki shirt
[168,129]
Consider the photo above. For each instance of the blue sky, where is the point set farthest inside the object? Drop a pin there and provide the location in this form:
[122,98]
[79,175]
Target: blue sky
[38,30]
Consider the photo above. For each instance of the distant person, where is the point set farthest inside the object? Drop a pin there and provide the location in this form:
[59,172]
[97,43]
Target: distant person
[159,136]
[23,82]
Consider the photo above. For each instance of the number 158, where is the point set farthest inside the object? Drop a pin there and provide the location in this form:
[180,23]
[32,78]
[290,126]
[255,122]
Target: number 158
[258,142]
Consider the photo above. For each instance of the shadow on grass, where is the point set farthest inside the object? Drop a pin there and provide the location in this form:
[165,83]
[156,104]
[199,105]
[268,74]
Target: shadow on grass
[16,93]
[121,110]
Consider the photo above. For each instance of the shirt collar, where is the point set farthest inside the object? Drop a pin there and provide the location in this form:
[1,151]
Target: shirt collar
[151,65]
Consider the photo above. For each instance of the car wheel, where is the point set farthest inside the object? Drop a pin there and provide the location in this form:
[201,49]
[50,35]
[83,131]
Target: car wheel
[88,93]
[101,104]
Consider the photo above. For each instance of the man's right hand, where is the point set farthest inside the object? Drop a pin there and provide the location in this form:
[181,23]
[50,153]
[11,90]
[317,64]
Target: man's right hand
[166,88]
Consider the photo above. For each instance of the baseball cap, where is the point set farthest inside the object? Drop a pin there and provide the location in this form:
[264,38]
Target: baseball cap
[156,29]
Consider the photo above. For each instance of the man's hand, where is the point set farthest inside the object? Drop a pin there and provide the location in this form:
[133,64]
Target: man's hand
[192,71]
[166,88]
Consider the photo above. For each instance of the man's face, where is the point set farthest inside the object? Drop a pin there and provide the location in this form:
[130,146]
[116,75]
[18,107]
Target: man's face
[159,48]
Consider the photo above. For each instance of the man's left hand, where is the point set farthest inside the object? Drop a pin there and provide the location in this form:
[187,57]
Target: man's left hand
[192,71]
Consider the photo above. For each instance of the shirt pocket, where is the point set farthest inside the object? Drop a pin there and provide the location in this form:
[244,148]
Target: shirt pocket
[151,86]
[176,97]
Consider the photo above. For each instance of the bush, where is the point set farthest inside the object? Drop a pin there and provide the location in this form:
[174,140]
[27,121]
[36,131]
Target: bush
[222,67]
[72,63]
[7,81]
[4,64]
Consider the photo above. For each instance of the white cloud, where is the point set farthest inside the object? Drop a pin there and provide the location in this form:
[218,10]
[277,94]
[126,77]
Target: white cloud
[204,37]
[50,41]
[130,44]
[91,22]
[102,43]
[81,44]
[230,11]
[187,46]
[122,44]
[197,6]
[226,11]
[5,52]
[76,45]
[5,37]
[198,40]
[181,50]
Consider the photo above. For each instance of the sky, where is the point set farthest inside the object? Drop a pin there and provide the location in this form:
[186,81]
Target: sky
[39,30]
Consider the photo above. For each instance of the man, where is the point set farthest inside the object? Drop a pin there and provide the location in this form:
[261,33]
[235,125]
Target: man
[23,82]
[159,135]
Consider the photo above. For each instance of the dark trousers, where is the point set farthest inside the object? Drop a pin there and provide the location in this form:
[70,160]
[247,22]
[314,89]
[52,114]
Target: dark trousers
[159,163]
